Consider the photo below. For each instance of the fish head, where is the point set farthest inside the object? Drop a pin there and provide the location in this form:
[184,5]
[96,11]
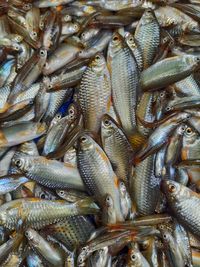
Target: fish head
[193,61]
[107,126]
[134,257]
[75,27]
[166,236]
[85,143]
[130,40]
[100,257]
[109,201]
[172,189]
[22,162]
[34,35]
[42,53]
[115,44]
[32,237]
[98,63]
[122,188]
[148,16]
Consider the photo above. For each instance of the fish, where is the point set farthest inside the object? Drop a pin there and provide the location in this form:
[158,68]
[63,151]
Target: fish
[38,213]
[182,202]
[135,257]
[28,73]
[94,93]
[160,136]
[99,133]
[144,183]
[125,100]
[51,254]
[177,68]
[11,182]
[72,232]
[50,173]
[91,159]
[20,133]
[147,34]
[119,155]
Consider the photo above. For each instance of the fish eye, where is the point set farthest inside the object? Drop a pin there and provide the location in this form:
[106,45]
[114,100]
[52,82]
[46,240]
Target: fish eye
[42,196]
[27,6]
[58,116]
[131,39]
[115,38]
[71,111]
[76,26]
[189,130]
[81,260]
[107,122]
[162,94]
[168,108]
[149,11]
[133,257]
[16,47]
[62,193]
[18,38]
[122,183]
[42,52]
[97,57]
[164,236]
[18,163]
[83,139]
[182,128]
[84,249]
[26,233]
[172,188]
[165,40]
[108,199]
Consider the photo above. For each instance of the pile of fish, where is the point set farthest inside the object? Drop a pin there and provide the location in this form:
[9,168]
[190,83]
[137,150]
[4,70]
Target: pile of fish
[99,133]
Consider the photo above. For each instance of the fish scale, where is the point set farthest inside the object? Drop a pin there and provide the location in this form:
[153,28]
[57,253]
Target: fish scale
[72,232]
[94,94]
[125,85]
[147,35]
[117,148]
[145,187]
[50,173]
[38,213]
[96,172]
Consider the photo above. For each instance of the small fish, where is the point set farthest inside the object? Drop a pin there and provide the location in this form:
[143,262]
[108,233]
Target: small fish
[182,202]
[50,173]
[97,182]
[94,93]
[147,34]
[20,133]
[11,182]
[177,68]
[38,213]
[51,255]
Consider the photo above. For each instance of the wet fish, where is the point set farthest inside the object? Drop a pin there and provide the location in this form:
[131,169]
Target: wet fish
[125,101]
[91,159]
[50,173]
[94,93]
